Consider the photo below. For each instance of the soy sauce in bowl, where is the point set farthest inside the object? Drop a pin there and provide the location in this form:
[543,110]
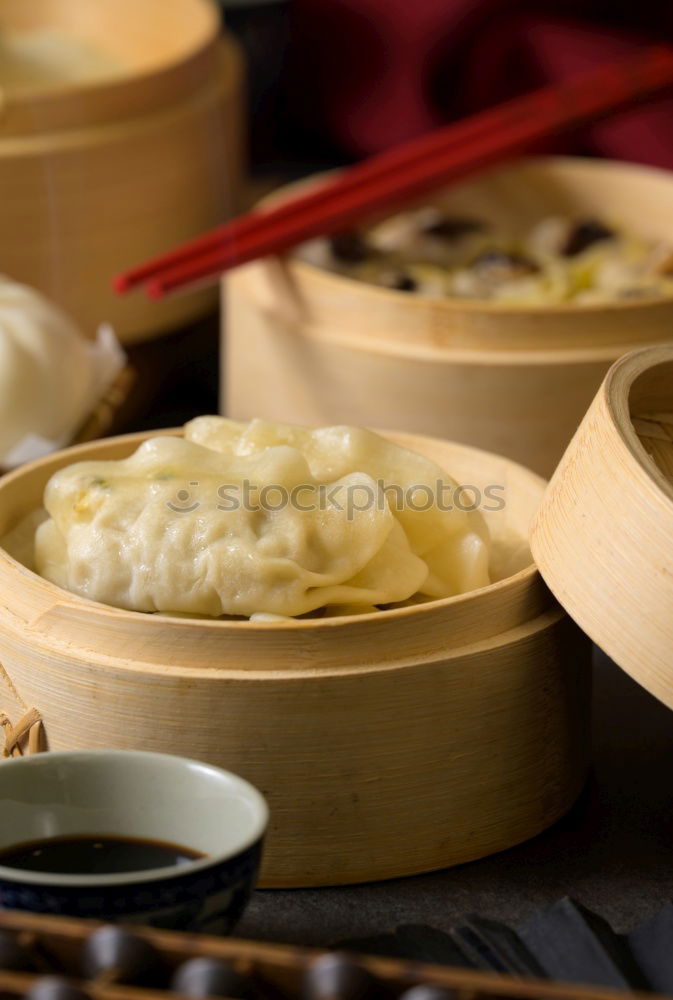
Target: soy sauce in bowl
[129,836]
[96,855]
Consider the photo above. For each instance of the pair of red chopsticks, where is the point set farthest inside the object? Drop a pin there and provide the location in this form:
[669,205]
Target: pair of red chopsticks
[399,175]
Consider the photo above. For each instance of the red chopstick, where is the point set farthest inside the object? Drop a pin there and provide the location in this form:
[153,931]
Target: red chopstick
[368,171]
[391,178]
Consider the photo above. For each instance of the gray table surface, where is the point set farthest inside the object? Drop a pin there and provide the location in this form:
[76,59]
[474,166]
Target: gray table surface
[614,852]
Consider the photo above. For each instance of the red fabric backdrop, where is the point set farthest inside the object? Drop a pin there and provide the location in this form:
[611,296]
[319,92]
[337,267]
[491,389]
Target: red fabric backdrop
[368,74]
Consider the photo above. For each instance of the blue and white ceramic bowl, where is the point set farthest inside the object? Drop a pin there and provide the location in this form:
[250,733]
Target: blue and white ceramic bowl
[134,794]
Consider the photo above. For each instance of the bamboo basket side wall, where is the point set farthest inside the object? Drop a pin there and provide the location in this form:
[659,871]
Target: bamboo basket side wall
[603,534]
[526,406]
[488,743]
[336,307]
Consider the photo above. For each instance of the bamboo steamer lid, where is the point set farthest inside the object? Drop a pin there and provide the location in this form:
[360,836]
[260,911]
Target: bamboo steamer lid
[603,535]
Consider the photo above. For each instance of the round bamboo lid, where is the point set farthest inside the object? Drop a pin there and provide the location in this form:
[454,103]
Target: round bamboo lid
[603,536]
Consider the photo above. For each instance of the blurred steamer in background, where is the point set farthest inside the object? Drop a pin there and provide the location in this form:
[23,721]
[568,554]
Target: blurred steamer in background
[120,134]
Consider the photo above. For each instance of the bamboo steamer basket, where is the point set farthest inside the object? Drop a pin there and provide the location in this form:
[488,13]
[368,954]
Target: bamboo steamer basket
[603,537]
[387,744]
[305,345]
[97,176]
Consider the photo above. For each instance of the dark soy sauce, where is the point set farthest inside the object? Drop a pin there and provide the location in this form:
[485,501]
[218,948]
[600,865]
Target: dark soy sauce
[96,855]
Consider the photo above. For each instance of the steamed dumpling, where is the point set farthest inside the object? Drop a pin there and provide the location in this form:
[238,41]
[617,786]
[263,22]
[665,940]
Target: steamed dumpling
[126,533]
[47,370]
[200,527]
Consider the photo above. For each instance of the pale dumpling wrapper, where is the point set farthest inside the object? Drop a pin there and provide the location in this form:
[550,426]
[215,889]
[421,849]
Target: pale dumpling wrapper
[159,531]
[453,543]
[121,533]
[45,367]
[51,376]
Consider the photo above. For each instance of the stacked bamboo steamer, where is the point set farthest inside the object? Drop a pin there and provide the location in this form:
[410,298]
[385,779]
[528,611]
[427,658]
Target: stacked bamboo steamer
[100,174]
[387,744]
[603,537]
[308,346]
